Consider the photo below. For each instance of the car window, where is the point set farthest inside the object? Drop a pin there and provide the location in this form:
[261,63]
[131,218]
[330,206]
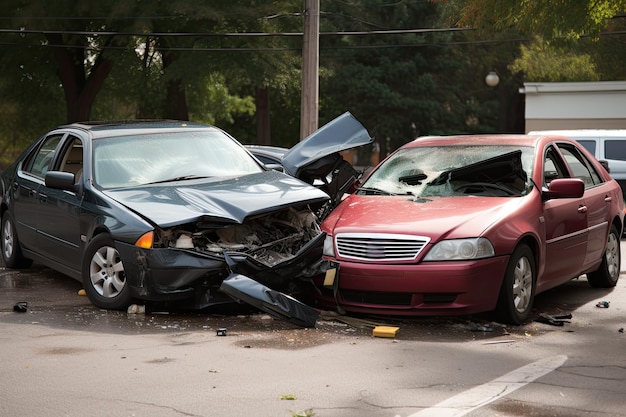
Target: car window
[615,149]
[553,167]
[151,158]
[72,159]
[42,159]
[588,144]
[581,167]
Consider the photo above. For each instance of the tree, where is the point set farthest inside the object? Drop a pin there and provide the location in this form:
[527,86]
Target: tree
[548,18]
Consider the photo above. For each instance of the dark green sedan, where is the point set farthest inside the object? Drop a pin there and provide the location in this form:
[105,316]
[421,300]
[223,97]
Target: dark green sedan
[159,211]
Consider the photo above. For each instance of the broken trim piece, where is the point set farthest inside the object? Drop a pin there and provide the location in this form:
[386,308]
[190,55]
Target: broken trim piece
[276,304]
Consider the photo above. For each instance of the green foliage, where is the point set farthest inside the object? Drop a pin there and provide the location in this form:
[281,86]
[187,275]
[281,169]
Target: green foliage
[548,18]
[181,57]
[541,61]
[216,105]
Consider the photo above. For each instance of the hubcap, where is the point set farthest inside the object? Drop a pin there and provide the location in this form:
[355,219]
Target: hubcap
[107,272]
[613,256]
[7,239]
[522,285]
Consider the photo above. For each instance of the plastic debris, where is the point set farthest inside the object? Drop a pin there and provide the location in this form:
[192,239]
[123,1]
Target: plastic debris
[497,342]
[136,309]
[221,331]
[559,320]
[20,307]
[602,304]
[82,292]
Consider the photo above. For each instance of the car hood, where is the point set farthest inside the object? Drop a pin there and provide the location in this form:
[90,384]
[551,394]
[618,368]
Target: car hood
[340,134]
[229,200]
[435,217]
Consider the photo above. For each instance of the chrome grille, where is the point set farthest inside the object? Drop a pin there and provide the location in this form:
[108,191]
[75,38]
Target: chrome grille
[373,246]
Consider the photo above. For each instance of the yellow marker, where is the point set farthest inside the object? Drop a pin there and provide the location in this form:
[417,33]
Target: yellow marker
[385,331]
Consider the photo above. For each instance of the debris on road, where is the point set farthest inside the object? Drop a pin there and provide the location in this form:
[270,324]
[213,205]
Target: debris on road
[385,331]
[20,307]
[559,320]
[136,309]
[603,304]
[497,342]
[359,323]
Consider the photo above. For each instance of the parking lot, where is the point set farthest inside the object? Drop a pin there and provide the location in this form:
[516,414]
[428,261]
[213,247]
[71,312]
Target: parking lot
[65,357]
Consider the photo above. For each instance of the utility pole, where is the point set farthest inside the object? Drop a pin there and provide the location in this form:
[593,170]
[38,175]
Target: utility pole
[310,69]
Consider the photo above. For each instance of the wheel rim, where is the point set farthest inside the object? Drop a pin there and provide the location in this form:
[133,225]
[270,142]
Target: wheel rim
[107,272]
[522,285]
[612,256]
[7,239]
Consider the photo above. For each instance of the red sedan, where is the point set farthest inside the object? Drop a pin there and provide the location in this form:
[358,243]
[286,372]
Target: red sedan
[467,224]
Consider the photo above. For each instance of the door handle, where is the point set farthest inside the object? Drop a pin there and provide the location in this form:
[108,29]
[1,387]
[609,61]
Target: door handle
[608,199]
[582,209]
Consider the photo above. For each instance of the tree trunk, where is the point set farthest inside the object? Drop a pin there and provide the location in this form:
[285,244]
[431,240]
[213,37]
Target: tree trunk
[262,99]
[80,91]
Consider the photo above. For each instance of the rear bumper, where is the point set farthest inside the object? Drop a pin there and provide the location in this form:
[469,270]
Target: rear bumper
[425,289]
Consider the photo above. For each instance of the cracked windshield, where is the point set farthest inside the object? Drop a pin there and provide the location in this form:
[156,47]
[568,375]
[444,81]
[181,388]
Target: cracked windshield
[454,170]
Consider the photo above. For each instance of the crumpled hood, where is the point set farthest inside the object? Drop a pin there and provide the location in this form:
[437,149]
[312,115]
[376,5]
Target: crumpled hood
[434,217]
[230,200]
[343,133]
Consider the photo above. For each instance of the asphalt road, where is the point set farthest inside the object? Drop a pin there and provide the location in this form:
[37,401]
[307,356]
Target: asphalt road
[64,357]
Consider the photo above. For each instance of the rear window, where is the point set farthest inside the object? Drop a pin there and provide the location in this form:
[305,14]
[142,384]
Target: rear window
[615,149]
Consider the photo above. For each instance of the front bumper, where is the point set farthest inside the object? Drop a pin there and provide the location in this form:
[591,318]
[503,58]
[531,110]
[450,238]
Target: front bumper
[425,289]
[169,274]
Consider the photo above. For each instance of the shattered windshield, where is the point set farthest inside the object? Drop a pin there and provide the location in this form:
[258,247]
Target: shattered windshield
[157,158]
[494,170]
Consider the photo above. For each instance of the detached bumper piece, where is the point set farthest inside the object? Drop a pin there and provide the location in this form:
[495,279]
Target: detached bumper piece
[274,303]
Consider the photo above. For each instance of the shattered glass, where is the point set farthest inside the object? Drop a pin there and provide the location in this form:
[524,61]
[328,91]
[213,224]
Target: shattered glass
[454,170]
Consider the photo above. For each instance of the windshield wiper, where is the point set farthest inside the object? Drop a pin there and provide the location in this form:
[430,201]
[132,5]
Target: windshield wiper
[378,191]
[181,178]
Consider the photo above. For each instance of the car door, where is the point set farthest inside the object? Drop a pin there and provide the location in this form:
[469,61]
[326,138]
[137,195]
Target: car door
[26,187]
[58,214]
[565,222]
[597,200]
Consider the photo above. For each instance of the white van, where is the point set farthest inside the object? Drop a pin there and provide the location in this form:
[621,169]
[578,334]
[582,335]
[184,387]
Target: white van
[606,144]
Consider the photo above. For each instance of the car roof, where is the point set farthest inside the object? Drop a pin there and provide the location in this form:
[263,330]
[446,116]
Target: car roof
[480,140]
[125,127]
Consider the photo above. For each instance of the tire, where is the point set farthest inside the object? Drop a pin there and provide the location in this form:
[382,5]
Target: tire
[607,274]
[10,244]
[518,288]
[104,278]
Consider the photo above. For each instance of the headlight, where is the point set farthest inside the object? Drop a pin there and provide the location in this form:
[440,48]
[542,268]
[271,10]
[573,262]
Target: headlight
[329,249]
[460,249]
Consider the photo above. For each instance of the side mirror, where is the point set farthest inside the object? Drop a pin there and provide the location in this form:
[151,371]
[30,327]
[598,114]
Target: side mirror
[605,164]
[60,180]
[565,188]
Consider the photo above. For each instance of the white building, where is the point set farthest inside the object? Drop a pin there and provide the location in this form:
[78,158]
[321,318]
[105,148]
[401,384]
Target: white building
[578,105]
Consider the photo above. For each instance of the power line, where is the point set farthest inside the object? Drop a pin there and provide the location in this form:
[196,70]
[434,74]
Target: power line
[228,34]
